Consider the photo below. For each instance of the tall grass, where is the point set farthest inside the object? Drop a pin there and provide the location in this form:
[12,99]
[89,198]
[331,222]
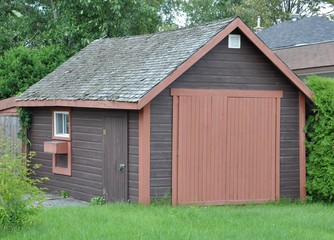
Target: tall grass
[126,221]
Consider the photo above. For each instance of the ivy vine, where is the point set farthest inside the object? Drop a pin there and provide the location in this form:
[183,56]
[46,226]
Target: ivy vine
[25,118]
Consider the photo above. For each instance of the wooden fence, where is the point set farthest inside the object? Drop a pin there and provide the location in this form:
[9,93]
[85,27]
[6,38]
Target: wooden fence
[9,127]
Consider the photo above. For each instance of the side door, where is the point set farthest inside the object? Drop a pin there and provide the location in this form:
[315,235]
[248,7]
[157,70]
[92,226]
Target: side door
[115,144]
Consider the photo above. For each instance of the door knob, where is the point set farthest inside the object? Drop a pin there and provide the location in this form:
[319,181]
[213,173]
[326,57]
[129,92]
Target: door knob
[121,166]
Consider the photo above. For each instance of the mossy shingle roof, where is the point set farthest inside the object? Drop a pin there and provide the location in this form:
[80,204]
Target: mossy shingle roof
[122,69]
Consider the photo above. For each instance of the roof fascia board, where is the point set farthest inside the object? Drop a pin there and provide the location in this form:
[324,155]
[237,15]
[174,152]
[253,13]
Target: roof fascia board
[314,70]
[78,103]
[302,45]
[7,103]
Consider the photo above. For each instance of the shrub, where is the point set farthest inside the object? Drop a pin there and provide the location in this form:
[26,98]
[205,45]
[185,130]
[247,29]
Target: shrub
[20,198]
[320,141]
[21,67]
[98,200]
[64,194]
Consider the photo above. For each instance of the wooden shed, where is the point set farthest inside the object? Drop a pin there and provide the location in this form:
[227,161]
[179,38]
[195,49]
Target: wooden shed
[205,115]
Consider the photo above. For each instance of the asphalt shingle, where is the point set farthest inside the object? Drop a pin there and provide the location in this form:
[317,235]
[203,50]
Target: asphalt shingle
[122,69]
[301,32]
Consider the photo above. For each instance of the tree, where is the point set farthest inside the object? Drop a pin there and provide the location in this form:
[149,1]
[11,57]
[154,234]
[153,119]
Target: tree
[73,24]
[37,35]
[200,11]
[21,67]
[23,22]
[77,23]
[271,12]
[275,11]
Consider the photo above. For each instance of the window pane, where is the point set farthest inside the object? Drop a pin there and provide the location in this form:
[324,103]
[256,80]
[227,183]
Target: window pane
[61,160]
[66,130]
[59,123]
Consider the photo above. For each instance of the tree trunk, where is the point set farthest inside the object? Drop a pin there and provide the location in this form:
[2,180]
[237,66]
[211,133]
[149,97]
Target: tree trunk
[54,9]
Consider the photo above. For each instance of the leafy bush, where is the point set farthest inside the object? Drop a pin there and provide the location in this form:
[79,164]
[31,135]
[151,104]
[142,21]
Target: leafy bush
[64,194]
[320,141]
[20,198]
[21,67]
[98,200]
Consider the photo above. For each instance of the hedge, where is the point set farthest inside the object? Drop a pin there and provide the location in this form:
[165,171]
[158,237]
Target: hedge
[320,141]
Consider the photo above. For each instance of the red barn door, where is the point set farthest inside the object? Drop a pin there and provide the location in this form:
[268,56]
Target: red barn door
[225,146]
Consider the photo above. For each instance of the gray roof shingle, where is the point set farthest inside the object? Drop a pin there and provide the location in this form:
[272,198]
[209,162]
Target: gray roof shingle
[301,32]
[122,69]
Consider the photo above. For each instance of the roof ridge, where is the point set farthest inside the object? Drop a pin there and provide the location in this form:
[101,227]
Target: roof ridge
[223,21]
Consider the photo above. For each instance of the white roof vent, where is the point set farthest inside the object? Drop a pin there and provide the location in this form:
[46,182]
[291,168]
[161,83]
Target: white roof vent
[234,41]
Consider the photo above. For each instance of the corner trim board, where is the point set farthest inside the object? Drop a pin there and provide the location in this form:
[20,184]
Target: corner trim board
[175,149]
[144,155]
[302,147]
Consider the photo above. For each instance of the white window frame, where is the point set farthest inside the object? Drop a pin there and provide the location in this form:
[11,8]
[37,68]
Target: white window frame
[63,135]
[234,41]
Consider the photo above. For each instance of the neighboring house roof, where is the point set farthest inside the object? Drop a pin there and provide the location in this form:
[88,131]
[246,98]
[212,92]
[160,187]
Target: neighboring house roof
[311,56]
[305,31]
[127,73]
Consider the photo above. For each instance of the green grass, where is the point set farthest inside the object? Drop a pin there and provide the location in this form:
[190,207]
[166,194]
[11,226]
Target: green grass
[126,221]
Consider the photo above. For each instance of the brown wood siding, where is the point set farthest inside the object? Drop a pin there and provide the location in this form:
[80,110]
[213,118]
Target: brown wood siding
[133,156]
[87,152]
[222,68]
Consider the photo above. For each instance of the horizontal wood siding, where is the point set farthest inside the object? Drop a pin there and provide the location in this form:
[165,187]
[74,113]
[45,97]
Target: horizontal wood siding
[87,136]
[87,152]
[133,156]
[161,145]
[223,68]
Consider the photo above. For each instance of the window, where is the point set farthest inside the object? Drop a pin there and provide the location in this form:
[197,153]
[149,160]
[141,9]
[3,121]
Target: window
[234,41]
[60,146]
[61,125]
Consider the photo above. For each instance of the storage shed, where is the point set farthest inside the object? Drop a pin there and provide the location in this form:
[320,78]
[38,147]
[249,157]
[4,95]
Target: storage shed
[205,114]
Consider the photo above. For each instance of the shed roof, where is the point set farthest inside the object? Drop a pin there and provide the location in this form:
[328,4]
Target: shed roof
[305,31]
[127,73]
[122,69]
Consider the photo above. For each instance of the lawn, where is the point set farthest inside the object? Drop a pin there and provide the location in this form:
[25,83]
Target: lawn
[127,221]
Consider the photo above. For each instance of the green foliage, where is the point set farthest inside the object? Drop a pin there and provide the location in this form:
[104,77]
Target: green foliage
[80,22]
[25,121]
[20,198]
[21,67]
[320,141]
[64,194]
[98,200]
[271,12]
[166,199]
[201,11]
[36,36]
[22,22]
